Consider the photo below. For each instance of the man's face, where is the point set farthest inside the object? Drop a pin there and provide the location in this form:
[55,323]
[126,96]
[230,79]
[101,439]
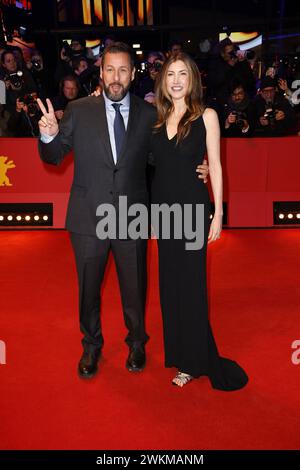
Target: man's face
[176,49]
[117,75]
[70,90]
[228,54]
[83,65]
[10,63]
[238,95]
[268,93]
[76,46]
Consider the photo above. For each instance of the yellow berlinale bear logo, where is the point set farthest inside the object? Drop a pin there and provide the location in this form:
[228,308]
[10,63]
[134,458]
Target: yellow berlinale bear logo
[4,166]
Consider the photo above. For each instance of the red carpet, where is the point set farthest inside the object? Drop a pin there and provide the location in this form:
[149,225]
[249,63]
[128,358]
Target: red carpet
[255,298]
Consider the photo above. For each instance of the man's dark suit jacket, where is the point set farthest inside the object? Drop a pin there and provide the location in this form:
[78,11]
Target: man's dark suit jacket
[97,179]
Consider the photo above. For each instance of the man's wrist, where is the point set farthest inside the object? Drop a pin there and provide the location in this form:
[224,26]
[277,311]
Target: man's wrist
[46,139]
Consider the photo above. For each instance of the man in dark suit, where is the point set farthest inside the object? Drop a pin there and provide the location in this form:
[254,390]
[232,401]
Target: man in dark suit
[110,137]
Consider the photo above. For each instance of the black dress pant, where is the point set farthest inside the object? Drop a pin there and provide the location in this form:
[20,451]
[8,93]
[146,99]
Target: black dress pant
[91,256]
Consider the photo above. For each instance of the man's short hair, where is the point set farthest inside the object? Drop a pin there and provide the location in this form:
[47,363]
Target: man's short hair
[116,48]
[234,84]
[224,43]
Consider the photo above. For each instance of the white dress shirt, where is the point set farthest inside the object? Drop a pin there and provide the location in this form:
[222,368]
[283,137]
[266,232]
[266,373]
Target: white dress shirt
[110,116]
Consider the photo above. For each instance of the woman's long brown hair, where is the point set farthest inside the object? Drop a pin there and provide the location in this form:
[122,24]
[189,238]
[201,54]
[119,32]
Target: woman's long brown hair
[193,98]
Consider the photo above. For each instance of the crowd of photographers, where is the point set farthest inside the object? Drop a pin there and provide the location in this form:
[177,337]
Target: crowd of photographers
[248,103]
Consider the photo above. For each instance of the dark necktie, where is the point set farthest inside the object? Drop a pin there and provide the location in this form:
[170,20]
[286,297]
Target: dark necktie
[119,128]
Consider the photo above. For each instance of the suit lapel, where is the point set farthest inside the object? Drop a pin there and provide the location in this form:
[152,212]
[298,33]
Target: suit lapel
[103,131]
[133,120]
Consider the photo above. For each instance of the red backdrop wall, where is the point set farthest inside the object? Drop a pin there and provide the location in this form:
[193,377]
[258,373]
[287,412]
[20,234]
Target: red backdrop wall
[256,171]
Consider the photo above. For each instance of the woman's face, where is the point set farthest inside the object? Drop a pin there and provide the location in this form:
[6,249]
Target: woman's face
[177,80]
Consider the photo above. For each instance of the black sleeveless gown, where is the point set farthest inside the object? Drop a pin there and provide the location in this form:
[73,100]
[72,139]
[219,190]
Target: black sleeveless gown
[188,340]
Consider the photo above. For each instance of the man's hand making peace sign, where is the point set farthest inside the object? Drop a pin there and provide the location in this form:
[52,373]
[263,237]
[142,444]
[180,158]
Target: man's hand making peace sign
[48,123]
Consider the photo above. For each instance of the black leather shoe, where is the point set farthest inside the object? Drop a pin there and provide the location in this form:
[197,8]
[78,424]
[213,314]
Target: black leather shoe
[136,359]
[88,364]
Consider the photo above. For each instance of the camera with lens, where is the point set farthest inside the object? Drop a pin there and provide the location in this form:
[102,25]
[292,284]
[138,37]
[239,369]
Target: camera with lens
[69,52]
[240,118]
[31,103]
[236,53]
[233,54]
[36,65]
[157,65]
[250,55]
[269,113]
[15,78]
[101,49]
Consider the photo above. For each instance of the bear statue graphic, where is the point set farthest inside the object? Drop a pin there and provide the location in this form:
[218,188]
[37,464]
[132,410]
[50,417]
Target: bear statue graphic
[4,166]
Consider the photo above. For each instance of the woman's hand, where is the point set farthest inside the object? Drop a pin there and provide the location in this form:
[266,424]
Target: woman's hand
[150,98]
[203,170]
[215,228]
[97,92]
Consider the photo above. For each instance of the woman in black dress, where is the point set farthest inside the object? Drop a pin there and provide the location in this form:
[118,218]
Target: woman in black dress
[184,132]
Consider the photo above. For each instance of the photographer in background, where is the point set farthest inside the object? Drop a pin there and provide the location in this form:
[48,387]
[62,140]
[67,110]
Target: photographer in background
[17,82]
[40,75]
[231,64]
[4,118]
[19,56]
[274,115]
[238,116]
[145,88]
[87,74]
[175,47]
[69,53]
[292,93]
[24,121]
[69,90]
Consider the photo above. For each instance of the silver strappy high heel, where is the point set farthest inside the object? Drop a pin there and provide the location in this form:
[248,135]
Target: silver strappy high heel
[181,379]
